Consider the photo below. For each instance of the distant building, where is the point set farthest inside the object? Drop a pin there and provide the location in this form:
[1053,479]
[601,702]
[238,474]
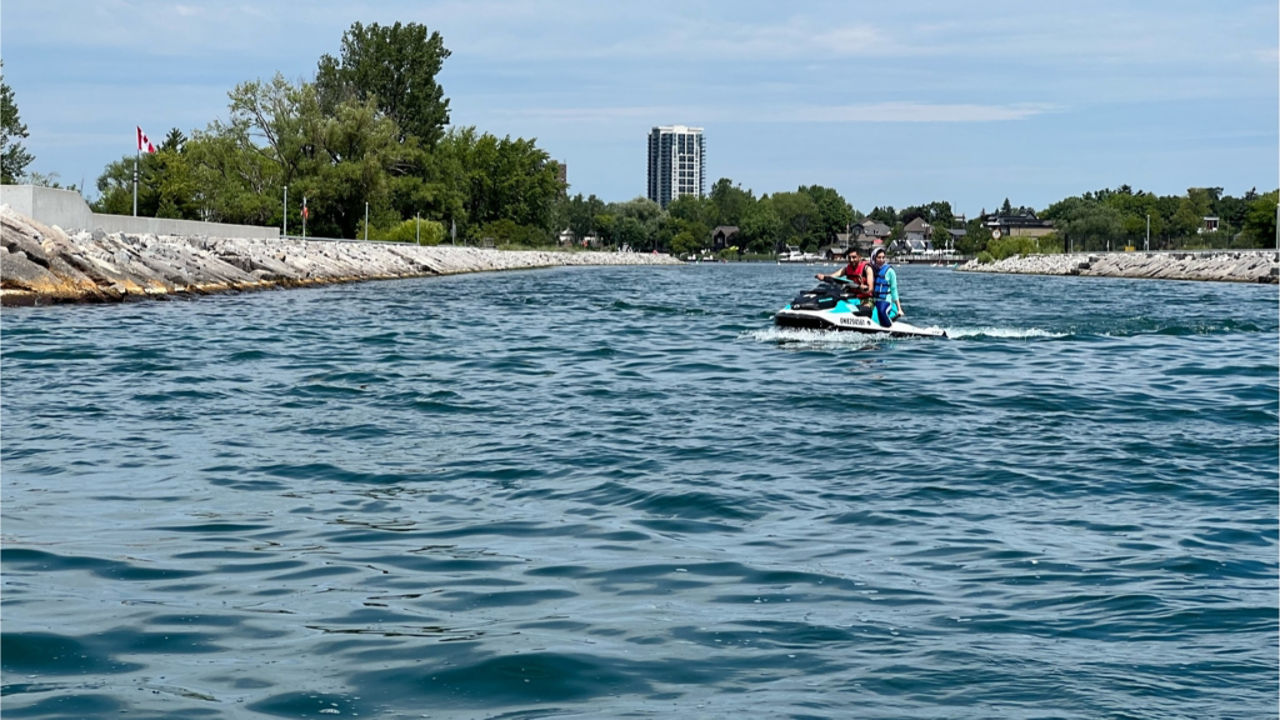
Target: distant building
[1210,225]
[723,236]
[917,230]
[1024,224]
[867,233]
[677,162]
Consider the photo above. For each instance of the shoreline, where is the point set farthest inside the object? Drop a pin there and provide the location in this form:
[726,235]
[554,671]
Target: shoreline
[1245,266]
[42,265]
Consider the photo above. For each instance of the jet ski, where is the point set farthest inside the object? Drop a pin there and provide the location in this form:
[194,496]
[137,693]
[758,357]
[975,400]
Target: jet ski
[832,306]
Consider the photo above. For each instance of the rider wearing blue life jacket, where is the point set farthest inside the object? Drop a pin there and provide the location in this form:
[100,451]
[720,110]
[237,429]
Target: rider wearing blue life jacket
[884,290]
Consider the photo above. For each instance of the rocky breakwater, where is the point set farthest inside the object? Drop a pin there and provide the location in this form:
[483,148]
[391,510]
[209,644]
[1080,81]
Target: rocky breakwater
[1252,266]
[41,264]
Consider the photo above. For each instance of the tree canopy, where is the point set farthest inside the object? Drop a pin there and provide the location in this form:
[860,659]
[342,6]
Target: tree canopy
[14,157]
[396,67]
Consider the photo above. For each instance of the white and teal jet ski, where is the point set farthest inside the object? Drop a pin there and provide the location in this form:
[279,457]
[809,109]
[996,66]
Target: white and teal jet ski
[831,306]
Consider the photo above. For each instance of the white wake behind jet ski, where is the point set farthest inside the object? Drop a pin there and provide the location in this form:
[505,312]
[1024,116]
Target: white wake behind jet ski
[831,307]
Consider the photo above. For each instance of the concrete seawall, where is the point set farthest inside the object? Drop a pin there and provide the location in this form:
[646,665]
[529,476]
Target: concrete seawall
[1250,266]
[41,264]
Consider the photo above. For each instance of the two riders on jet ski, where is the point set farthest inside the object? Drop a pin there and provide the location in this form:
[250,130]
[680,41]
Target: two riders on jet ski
[875,285]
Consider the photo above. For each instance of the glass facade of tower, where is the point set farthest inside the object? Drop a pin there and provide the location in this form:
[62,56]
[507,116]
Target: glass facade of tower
[677,162]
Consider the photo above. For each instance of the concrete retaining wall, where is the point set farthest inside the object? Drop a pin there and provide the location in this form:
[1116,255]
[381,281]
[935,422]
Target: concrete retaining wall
[69,211]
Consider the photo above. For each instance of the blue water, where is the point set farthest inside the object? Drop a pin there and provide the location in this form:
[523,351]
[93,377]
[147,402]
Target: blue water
[620,492]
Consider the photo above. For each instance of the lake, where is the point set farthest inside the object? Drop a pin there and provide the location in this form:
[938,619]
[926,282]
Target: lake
[621,492]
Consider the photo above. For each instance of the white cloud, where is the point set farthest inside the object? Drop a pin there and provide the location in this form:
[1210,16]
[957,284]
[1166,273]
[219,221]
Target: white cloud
[886,112]
[907,112]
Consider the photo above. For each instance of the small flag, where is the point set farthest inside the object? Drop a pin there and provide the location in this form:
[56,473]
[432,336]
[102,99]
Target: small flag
[144,145]
[305,213]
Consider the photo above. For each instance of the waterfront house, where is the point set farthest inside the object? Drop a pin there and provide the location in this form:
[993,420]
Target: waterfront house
[868,233]
[1024,224]
[724,236]
[917,235]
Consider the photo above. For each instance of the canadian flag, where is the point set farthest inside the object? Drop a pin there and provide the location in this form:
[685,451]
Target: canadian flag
[144,145]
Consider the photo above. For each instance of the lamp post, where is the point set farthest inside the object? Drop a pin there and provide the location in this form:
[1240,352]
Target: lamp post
[1147,244]
[366,222]
[284,230]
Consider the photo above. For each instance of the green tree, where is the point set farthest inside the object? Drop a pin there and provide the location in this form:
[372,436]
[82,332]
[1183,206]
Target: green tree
[834,213]
[174,185]
[1187,219]
[1259,225]
[801,220]
[578,214]
[502,179]
[884,215]
[235,182]
[174,140]
[693,209]
[631,232]
[397,66]
[14,157]
[280,120]
[761,228]
[690,216]
[115,187]
[339,159]
[685,243]
[937,214]
[644,211]
[975,239]
[730,202]
[1086,224]
[941,237]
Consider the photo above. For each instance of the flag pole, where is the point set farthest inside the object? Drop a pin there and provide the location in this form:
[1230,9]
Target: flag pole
[135,181]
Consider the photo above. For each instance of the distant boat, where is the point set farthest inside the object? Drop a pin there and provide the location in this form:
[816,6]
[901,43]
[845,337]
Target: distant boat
[794,255]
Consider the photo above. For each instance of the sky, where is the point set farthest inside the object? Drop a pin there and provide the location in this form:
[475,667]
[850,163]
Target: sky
[889,103]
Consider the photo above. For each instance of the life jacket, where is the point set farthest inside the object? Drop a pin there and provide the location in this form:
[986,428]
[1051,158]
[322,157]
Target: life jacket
[881,289]
[855,274]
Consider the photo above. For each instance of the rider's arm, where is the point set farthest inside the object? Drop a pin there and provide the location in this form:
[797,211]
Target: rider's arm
[893,290]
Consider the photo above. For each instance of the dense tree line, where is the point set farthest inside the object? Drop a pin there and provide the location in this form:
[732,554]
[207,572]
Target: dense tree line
[1113,219]
[808,217]
[371,135]
[369,132]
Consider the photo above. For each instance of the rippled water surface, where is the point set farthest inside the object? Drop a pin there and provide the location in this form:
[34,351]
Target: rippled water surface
[620,492]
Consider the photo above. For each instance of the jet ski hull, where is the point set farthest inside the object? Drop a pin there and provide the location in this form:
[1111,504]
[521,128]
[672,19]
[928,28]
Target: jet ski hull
[845,320]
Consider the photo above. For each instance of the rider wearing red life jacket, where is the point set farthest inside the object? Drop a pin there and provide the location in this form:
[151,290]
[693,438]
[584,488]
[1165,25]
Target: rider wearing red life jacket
[858,272]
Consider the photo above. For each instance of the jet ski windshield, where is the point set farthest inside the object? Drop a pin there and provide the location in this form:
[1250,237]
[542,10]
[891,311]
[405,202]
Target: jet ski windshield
[823,297]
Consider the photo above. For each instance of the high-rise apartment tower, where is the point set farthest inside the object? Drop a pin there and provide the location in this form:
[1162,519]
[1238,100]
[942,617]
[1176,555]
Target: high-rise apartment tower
[677,162]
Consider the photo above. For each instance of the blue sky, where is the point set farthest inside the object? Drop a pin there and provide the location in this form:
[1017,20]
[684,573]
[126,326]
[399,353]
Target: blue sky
[897,103]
